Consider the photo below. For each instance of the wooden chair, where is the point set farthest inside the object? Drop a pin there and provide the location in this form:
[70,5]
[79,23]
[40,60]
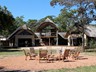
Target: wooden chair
[32,53]
[75,55]
[58,55]
[43,54]
[27,53]
[65,54]
[50,55]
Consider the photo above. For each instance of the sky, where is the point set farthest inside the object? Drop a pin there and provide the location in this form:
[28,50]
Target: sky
[31,9]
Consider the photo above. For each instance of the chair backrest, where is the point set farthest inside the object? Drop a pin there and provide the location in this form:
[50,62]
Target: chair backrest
[66,53]
[32,50]
[25,52]
[77,53]
[42,53]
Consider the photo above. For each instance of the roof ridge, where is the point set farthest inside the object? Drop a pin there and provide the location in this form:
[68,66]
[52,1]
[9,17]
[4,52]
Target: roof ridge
[48,20]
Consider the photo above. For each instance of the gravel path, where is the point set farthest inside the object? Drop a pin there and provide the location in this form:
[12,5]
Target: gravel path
[19,63]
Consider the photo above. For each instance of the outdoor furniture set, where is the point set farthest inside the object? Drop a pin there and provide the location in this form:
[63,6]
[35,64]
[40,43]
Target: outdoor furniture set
[44,55]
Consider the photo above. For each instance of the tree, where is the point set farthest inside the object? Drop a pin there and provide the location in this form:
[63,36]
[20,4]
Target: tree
[19,21]
[6,21]
[64,20]
[32,23]
[86,12]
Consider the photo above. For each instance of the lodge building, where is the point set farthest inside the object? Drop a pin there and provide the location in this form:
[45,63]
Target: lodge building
[47,34]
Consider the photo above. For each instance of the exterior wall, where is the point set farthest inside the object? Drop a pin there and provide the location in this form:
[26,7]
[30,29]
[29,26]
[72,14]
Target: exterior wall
[4,44]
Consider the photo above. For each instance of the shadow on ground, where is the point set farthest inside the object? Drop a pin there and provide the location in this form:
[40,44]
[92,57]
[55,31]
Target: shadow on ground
[3,69]
[10,50]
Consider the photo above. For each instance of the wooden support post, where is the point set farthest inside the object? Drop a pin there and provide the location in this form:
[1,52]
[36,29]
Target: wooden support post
[49,41]
[69,41]
[85,40]
[57,37]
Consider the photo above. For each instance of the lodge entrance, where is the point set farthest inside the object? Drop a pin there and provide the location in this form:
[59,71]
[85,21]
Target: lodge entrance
[24,42]
[76,41]
[49,41]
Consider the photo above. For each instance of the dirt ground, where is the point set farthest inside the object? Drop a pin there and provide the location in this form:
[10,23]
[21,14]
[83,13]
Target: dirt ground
[19,63]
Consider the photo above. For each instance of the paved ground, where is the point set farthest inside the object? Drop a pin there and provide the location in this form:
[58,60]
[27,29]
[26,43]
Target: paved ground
[19,63]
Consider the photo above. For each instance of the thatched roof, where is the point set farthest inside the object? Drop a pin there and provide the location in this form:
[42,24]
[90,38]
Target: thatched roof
[46,23]
[24,27]
[2,39]
[1,36]
[90,30]
[62,34]
[37,35]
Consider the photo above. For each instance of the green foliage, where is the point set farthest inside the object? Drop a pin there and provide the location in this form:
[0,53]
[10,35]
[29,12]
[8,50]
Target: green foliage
[92,43]
[6,20]
[64,20]
[19,21]
[32,23]
[4,33]
[86,9]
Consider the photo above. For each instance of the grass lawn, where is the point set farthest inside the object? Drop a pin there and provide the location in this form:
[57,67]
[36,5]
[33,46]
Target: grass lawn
[10,52]
[89,53]
[79,69]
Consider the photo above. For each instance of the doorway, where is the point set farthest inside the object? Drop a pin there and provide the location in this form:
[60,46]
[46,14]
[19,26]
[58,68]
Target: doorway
[24,42]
